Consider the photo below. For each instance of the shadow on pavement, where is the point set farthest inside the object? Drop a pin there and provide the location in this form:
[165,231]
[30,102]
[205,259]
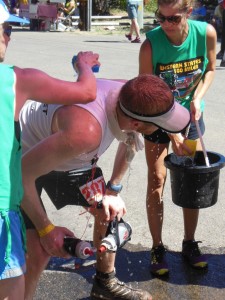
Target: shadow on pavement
[132,265]
[72,279]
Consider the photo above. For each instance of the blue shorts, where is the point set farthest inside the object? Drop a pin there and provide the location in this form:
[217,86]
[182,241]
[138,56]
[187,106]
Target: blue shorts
[132,10]
[161,137]
[12,263]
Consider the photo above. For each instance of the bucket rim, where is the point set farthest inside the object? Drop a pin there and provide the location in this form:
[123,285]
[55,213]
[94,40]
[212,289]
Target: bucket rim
[196,169]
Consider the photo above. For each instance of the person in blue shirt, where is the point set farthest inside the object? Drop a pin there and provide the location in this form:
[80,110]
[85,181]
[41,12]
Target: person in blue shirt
[199,11]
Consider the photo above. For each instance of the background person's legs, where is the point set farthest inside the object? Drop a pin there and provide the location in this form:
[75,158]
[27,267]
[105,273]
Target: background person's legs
[135,26]
[132,10]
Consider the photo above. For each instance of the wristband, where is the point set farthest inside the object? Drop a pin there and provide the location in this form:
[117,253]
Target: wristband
[114,187]
[43,232]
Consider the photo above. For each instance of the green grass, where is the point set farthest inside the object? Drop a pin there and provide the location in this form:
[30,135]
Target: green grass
[151,6]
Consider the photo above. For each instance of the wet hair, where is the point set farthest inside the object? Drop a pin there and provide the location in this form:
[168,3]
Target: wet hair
[183,4]
[146,94]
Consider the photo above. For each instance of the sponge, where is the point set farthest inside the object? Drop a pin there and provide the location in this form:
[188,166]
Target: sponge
[192,144]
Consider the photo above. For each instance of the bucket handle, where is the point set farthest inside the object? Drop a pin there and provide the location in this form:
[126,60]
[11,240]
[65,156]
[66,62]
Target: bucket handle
[202,144]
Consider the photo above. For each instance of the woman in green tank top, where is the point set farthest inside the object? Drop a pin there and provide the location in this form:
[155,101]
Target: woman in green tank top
[183,53]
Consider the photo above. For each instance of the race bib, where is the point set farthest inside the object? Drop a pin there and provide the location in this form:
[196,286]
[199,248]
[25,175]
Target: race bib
[94,190]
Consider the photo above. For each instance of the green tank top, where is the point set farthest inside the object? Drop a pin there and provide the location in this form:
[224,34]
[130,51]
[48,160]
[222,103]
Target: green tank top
[11,188]
[181,67]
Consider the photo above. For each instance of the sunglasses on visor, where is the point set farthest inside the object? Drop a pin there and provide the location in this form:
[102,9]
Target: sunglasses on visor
[171,19]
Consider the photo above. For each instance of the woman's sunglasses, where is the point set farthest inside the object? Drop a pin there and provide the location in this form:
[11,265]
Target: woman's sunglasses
[8,30]
[171,19]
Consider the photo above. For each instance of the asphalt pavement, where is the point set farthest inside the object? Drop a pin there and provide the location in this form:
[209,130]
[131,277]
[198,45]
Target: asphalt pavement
[72,279]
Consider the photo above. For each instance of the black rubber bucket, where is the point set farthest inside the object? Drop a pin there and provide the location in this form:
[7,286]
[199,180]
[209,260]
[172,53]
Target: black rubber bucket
[193,184]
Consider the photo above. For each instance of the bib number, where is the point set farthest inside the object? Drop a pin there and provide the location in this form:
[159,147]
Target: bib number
[93,190]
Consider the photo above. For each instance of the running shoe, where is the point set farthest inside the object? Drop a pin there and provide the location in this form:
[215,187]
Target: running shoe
[113,289]
[159,264]
[136,40]
[193,255]
[128,36]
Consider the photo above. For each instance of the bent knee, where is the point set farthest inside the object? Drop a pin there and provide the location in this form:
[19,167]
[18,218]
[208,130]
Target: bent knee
[36,256]
[156,180]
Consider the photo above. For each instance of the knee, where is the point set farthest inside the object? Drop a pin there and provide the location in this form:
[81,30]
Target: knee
[37,262]
[36,258]
[156,181]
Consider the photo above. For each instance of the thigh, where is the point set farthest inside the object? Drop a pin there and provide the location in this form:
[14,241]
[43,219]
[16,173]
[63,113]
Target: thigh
[156,149]
[70,188]
[155,154]
[132,11]
[34,251]
[74,187]
[13,288]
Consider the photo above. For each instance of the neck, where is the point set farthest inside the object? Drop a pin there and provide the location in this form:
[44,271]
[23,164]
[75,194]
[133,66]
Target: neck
[122,120]
[181,37]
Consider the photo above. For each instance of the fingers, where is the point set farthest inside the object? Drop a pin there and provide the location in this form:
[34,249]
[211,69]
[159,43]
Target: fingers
[53,242]
[68,232]
[107,213]
[121,213]
[186,150]
[113,207]
[88,57]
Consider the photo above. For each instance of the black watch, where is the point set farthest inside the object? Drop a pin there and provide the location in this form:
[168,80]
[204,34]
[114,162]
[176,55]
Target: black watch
[114,187]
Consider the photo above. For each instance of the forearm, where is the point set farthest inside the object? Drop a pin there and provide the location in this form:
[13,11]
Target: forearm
[87,81]
[203,86]
[124,156]
[32,169]
[34,210]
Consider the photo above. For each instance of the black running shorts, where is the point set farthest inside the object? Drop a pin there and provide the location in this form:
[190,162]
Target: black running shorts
[70,188]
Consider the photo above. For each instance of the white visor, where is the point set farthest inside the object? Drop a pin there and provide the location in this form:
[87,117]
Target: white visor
[173,120]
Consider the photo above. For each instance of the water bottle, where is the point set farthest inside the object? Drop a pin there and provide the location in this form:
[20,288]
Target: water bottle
[117,235]
[78,248]
[95,68]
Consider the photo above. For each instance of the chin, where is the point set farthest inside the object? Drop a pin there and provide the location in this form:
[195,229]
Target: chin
[148,131]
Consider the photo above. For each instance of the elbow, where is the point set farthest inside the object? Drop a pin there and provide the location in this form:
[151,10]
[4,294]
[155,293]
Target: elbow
[91,95]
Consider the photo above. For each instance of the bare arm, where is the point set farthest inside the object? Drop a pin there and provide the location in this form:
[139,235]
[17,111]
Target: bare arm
[37,85]
[115,206]
[209,74]
[145,58]
[123,159]
[67,142]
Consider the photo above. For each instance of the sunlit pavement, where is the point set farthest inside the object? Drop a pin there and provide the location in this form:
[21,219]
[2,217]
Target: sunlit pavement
[52,52]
